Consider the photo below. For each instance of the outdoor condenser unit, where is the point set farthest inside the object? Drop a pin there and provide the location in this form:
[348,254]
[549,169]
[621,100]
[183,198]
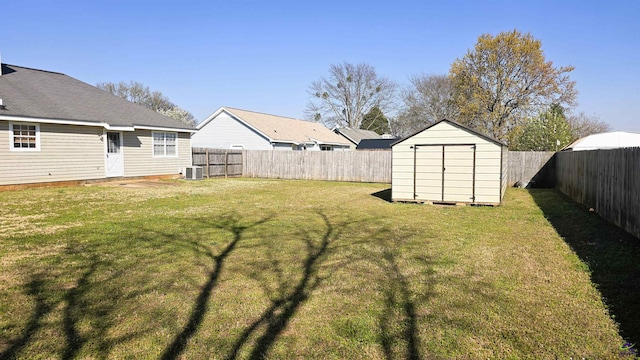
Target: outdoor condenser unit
[193,173]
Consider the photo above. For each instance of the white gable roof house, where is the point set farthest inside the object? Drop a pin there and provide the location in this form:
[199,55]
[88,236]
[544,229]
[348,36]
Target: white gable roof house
[602,141]
[230,128]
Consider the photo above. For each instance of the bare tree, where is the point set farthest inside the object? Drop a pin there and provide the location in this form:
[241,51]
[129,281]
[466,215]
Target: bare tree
[429,98]
[140,94]
[347,94]
[582,125]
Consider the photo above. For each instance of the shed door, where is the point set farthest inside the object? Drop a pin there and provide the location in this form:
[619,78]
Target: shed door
[427,175]
[458,173]
[444,173]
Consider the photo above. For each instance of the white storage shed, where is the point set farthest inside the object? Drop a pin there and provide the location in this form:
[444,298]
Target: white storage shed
[449,163]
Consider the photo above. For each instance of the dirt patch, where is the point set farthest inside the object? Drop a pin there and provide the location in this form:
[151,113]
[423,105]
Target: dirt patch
[137,184]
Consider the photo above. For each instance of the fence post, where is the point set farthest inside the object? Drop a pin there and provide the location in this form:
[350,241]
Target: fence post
[206,165]
[226,163]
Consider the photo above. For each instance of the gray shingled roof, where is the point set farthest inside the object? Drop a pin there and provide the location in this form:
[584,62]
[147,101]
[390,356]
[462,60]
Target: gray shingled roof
[355,135]
[43,94]
[369,144]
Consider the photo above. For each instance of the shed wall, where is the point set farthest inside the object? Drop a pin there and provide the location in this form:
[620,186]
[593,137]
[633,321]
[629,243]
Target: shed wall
[225,132]
[505,171]
[488,173]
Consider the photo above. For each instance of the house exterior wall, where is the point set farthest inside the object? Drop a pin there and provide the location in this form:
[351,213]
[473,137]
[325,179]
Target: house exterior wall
[282,146]
[341,148]
[223,132]
[459,178]
[71,153]
[66,153]
[139,159]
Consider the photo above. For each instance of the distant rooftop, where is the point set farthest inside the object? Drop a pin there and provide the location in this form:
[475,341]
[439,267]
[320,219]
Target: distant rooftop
[608,140]
[376,144]
[355,135]
[283,129]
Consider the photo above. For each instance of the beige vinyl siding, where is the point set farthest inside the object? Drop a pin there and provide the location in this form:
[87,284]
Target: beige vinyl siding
[66,153]
[139,159]
[458,164]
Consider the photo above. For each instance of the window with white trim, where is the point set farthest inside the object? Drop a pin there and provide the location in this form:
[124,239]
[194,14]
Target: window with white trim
[24,136]
[326,147]
[165,144]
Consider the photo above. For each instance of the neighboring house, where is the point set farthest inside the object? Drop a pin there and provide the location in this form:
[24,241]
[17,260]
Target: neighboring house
[230,128]
[376,144]
[609,140]
[449,163]
[355,135]
[56,128]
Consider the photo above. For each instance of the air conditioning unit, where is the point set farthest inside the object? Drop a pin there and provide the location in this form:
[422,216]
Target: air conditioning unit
[193,173]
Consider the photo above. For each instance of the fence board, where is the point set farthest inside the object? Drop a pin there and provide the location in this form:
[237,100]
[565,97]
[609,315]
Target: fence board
[535,168]
[605,180]
[218,162]
[357,166]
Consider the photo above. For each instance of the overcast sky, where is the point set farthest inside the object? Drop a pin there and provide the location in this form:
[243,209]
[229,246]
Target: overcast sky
[262,55]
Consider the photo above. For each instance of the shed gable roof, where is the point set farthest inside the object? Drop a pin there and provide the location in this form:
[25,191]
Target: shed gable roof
[40,94]
[458,125]
[281,129]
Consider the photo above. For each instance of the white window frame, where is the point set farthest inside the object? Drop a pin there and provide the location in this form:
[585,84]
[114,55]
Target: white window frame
[11,142]
[164,144]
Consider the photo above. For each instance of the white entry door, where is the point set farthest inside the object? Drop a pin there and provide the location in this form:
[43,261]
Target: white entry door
[114,161]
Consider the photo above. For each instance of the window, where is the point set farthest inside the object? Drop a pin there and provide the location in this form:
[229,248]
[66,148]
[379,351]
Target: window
[25,137]
[165,144]
[325,147]
[113,143]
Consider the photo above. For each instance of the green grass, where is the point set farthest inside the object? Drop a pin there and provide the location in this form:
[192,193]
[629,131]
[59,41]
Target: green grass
[245,268]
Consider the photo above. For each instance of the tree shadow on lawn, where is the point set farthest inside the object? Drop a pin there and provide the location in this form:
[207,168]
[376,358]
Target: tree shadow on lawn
[288,294]
[81,301]
[84,286]
[381,258]
[233,225]
[612,255]
[33,288]
[399,320]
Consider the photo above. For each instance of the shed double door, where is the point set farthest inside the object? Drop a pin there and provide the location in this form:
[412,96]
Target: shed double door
[444,173]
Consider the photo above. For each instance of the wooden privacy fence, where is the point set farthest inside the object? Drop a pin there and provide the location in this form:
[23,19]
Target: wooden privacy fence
[218,162]
[535,168]
[359,166]
[606,180]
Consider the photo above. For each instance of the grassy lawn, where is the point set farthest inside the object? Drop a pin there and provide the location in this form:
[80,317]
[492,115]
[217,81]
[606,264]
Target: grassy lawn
[246,268]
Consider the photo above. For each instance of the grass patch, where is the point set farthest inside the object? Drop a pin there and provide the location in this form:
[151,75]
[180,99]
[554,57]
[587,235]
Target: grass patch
[246,268]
